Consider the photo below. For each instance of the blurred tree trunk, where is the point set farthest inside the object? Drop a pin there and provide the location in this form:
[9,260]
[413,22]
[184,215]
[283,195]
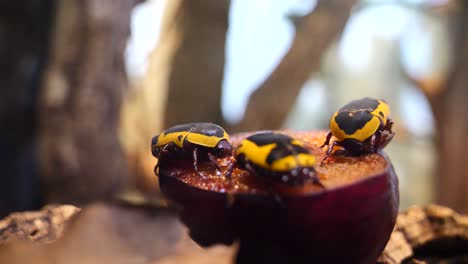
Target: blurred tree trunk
[450,108]
[192,47]
[182,83]
[448,97]
[24,30]
[270,104]
[80,155]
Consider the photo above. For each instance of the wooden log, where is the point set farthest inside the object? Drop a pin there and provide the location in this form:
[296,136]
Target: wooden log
[42,226]
[432,234]
[422,235]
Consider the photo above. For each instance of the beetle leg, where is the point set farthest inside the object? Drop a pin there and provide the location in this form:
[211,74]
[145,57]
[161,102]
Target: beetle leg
[276,196]
[327,140]
[316,180]
[375,141]
[230,169]
[156,168]
[329,151]
[162,152]
[195,162]
[389,125]
[214,162]
[249,167]
[386,138]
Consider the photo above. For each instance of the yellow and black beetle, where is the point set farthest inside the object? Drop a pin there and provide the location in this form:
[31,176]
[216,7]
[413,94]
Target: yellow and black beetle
[278,158]
[199,140]
[361,126]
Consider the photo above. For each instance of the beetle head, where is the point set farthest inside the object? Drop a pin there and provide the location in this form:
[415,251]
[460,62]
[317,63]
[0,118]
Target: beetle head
[224,148]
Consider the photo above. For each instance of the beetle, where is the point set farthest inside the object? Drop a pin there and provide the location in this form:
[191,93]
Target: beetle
[361,126]
[277,158]
[198,140]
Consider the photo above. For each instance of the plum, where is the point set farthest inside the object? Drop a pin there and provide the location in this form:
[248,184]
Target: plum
[347,220]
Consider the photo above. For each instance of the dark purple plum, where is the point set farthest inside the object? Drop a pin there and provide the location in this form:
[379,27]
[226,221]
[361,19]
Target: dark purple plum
[348,221]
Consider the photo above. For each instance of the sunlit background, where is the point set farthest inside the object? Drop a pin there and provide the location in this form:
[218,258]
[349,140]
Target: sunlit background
[383,41]
[87,85]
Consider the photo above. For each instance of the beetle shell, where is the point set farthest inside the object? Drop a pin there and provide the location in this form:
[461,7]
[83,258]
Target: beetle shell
[359,119]
[277,158]
[186,137]
[361,126]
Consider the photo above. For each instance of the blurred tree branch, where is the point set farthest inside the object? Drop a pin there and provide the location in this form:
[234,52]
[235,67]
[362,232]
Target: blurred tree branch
[448,99]
[189,60]
[450,109]
[80,155]
[270,104]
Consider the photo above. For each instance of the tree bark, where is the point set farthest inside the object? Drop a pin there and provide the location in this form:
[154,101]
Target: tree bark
[425,235]
[194,33]
[451,114]
[80,156]
[43,226]
[24,32]
[270,104]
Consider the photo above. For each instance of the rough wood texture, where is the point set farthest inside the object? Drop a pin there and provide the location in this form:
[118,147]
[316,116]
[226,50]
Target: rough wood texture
[117,234]
[428,235]
[128,234]
[80,155]
[46,225]
[24,32]
[269,105]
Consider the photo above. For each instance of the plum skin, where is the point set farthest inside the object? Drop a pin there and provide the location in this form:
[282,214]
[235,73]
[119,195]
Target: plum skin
[348,224]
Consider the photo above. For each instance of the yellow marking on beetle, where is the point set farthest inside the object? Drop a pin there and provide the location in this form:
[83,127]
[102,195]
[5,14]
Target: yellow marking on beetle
[384,108]
[258,155]
[176,137]
[297,143]
[361,134]
[369,128]
[204,140]
[192,137]
[293,161]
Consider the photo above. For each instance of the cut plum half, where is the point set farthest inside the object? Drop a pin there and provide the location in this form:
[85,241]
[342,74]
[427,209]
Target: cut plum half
[349,220]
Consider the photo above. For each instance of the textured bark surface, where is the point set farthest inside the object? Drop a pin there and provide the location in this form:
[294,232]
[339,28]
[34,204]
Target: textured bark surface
[24,32]
[269,106]
[128,234]
[196,34]
[42,226]
[432,234]
[105,233]
[80,155]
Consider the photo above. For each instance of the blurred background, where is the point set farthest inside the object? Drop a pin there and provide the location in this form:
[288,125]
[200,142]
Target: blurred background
[86,84]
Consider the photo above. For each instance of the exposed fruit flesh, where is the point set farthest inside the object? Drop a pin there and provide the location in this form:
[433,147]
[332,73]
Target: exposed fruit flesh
[337,171]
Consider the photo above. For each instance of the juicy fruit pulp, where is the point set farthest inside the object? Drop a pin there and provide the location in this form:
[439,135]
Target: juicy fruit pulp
[348,221]
[337,171]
